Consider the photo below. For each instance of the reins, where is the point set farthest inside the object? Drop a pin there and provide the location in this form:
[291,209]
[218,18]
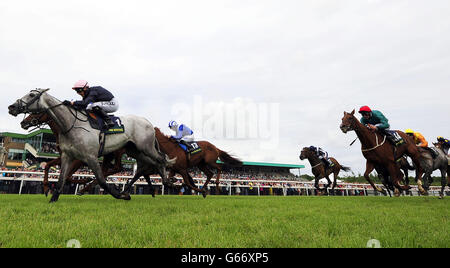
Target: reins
[25,105]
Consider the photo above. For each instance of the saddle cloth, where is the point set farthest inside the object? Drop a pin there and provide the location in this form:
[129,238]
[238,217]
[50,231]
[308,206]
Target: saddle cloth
[97,122]
[395,138]
[193,148]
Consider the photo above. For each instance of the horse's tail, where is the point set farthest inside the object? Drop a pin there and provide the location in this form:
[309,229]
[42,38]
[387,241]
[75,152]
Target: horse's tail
[229,160]
[346,169]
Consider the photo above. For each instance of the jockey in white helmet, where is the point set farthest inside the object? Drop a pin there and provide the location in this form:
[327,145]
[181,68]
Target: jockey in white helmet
[183,133]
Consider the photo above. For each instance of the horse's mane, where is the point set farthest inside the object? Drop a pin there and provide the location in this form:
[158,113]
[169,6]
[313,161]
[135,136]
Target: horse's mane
[160,134]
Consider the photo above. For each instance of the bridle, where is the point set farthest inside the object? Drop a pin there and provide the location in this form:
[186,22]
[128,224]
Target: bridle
[351,127]
[23,107]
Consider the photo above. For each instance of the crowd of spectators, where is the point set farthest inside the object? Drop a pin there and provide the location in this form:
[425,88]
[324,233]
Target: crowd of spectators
[49,148]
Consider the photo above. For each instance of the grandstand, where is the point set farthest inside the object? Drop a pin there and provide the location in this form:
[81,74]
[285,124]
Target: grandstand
[31,151]
[25,150]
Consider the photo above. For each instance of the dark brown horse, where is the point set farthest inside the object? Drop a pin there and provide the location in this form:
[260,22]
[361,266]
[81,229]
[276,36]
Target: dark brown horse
[206,160]
[382,155]
[107,168]
[318,168]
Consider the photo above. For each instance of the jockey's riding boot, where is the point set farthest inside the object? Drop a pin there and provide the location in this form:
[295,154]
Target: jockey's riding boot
[104,116]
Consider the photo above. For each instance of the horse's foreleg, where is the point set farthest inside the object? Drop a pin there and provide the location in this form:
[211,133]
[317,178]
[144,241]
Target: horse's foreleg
[65,163]
[369,168]
[52,163]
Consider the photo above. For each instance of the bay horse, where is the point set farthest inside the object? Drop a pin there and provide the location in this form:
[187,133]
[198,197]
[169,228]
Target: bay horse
[383,155]
[205,160]
[318,168]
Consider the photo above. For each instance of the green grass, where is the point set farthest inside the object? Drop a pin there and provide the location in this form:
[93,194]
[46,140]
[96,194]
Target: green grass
[224,221]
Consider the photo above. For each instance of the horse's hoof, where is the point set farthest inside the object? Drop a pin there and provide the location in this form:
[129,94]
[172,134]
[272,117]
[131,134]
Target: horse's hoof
[204,195]
[125,197]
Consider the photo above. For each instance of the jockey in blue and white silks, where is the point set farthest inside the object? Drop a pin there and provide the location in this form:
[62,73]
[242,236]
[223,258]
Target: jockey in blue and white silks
[183,133]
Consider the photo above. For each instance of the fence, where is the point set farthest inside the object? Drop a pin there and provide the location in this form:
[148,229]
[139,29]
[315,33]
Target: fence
[23,182]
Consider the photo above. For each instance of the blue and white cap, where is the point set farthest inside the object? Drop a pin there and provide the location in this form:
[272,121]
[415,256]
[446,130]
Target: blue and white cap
[172,124]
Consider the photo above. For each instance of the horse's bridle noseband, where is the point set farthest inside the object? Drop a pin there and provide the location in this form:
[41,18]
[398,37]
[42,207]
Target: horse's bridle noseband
[23,105]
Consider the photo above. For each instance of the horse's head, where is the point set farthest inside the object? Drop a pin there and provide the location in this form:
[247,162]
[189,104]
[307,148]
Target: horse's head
[305,153]
[28,103]
[348,122]
[34,120]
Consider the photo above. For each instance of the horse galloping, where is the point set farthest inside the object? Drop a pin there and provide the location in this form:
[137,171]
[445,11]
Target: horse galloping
[431,164]
[318,168]
[78,140]
[382,154]
[39,119]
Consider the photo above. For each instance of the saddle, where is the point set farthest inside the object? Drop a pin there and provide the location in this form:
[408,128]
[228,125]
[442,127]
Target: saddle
[98,123]
[191,148]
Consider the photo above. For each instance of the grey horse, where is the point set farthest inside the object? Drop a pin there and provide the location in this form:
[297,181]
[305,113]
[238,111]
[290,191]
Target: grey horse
[79,141]
[431,164]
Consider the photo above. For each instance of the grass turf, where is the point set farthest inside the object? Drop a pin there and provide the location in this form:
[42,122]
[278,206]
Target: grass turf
[224,221]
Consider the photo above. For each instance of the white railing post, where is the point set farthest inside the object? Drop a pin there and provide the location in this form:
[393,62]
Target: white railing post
[20,188]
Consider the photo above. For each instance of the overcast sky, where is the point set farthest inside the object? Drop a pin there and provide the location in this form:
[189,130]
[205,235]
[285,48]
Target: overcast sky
[306,62]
